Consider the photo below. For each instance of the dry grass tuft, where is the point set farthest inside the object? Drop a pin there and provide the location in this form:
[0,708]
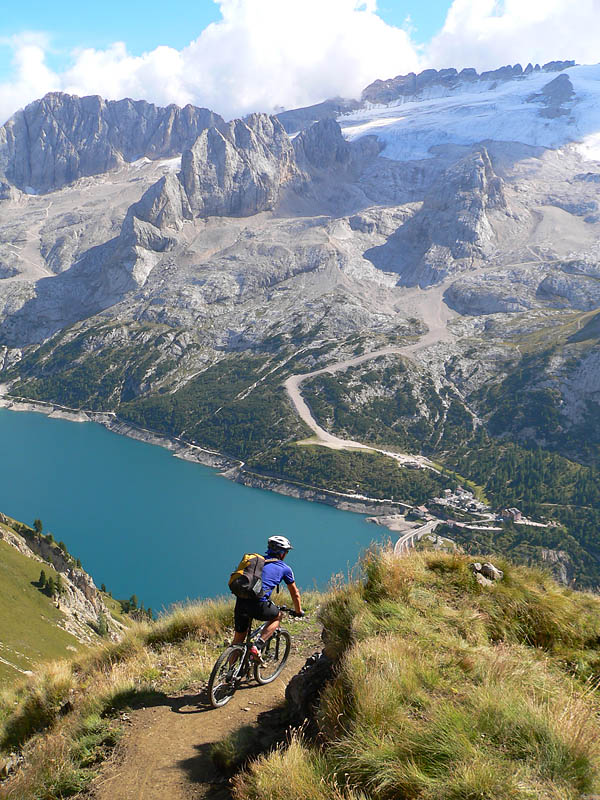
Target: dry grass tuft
[446,690]
[63,742]
[38,704]
[207,619]
[296,771]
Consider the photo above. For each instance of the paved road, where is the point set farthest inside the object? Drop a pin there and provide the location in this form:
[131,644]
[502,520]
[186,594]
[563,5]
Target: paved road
[407,541]
[430,304]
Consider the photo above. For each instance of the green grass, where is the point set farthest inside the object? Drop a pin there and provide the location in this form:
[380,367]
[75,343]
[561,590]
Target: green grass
[559,329]
[115,608]
[446,690]
[362,472]
[29,620]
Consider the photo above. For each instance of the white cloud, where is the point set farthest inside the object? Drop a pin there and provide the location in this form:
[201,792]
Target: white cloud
[260,55]
[32,77]
[268,53]
[486,34]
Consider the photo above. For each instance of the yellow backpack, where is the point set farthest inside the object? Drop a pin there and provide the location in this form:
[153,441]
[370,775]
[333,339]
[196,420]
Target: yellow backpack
[246,581]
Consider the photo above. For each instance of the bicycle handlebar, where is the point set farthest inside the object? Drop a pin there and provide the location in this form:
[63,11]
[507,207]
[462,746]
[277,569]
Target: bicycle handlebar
[291,611]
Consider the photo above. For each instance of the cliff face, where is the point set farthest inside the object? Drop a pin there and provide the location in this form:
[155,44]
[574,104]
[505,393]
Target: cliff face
[451,229]
[404,87]
[80,601]
[236,170]
[60,138]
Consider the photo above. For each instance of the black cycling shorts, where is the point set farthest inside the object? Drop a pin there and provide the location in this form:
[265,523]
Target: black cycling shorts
[246,610]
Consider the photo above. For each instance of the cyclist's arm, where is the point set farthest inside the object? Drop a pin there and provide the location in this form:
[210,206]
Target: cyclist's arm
[295,595]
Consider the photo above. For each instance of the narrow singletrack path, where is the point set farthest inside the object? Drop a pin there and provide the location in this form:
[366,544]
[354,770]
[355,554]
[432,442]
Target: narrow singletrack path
[165,752]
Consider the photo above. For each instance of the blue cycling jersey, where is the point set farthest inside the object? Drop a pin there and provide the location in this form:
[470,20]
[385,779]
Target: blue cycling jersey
[272,575]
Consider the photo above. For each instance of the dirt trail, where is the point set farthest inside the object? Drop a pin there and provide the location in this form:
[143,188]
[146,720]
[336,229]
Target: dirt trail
[165,752]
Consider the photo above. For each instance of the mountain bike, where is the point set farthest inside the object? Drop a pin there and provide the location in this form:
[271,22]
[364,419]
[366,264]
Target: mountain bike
[235,664]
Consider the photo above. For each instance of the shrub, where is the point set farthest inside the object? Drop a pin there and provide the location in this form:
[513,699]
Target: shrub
[204,619]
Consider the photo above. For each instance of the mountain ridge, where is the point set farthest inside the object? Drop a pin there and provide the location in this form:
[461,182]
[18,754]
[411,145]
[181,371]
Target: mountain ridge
[62,137]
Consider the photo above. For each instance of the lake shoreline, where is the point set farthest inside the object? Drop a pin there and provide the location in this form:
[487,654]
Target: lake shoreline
[232,469]
[163,528]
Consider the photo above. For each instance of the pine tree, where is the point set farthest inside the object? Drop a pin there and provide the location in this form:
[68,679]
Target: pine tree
[37,526]
[42,579]
[103,588]
[50,587]
[102,625]
[59,585]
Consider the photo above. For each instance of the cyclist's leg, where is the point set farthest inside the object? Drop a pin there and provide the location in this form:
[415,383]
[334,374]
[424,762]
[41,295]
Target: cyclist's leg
[241,623]
[271,614]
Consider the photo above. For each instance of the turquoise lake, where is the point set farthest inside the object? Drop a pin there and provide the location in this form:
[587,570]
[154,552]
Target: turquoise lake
[144,522]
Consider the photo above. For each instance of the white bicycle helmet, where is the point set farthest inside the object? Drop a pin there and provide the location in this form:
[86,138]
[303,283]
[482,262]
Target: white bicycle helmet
[278,544]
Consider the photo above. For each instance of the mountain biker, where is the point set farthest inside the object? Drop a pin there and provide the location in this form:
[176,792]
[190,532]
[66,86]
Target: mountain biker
[263,608]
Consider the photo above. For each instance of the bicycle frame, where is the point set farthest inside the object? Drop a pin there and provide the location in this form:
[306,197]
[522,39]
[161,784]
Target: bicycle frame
[250,636]
[235,663]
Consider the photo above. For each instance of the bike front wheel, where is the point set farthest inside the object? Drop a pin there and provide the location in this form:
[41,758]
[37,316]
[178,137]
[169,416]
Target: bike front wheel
[274,656]
[224,676]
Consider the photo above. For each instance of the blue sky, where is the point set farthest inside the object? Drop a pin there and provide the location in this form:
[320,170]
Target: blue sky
[143,24]
[238,56]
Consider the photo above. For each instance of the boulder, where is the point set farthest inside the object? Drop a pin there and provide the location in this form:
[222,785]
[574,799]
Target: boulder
[304,689]
[486,574]
[490,571]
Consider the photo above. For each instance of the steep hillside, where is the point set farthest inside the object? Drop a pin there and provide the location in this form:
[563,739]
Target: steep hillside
[30,623]
[49,619]
[441,687]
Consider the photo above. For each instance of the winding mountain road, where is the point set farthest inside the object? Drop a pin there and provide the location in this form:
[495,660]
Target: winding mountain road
[430,305]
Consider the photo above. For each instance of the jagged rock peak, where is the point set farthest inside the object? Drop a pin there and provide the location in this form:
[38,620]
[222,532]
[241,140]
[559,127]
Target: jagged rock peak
[236,169]
[386,91]
[62,137]
[456,209]
[322,145]
[452,229]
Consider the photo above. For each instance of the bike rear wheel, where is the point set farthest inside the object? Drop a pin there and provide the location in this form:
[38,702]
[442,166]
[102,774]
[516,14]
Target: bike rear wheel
[274,656]
[224,676]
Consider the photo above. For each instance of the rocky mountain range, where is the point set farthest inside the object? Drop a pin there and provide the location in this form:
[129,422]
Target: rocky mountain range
[146,254]
[61,138]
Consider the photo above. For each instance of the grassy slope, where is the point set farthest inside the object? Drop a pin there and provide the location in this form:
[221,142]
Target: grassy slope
[446,690]
[29,620]
[152,660]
